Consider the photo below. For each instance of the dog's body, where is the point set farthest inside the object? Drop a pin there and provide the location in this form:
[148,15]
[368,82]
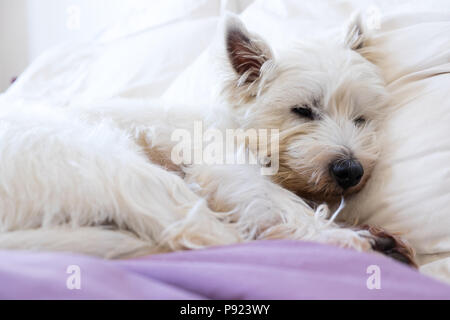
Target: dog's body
[103,180]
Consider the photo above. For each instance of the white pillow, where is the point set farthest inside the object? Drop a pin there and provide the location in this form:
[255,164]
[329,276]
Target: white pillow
[136,57]
[410,189]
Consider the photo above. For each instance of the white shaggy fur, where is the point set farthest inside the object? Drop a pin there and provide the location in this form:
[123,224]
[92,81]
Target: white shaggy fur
[99,180]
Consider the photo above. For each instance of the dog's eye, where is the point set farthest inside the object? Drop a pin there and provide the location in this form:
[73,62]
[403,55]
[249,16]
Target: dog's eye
[360,121]
[303,111]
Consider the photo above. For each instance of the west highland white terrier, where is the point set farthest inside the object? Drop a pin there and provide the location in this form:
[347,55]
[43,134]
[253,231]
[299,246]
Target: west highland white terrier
[112,180]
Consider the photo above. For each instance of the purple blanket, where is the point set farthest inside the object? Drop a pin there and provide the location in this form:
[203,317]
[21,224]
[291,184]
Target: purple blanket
[258,270]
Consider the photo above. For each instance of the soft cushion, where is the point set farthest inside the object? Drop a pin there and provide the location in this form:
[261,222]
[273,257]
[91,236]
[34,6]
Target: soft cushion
[137,57]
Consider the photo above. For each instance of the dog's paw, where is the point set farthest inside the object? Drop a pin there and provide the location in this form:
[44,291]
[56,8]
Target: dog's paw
[390,245]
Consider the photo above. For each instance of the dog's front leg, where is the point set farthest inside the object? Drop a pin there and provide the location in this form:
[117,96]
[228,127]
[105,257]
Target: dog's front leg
[263,210]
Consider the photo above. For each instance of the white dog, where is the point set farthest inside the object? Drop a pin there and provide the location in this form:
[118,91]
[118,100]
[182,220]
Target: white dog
[103,180]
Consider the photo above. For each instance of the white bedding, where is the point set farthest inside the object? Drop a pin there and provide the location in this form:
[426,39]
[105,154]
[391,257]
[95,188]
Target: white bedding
[410,189]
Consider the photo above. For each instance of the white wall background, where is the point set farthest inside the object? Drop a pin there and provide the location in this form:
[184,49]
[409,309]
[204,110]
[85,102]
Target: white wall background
[13,40]
[28,27]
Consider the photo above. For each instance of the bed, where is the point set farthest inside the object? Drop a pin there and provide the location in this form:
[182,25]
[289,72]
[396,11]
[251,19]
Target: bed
[256,271]
[170,59]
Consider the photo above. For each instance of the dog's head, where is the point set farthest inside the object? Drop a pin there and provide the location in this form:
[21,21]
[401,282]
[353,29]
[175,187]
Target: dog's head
[325,98]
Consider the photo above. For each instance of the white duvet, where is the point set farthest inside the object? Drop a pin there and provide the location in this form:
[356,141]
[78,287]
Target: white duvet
[170,58]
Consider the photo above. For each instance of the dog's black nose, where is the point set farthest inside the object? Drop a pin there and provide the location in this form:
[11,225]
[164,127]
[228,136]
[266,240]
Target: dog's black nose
[347,173]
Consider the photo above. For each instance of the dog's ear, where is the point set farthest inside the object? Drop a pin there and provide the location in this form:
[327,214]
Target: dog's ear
[355,36]
[248,54]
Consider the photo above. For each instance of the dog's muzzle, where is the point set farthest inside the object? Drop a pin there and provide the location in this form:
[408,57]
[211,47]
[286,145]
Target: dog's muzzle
[347,173]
